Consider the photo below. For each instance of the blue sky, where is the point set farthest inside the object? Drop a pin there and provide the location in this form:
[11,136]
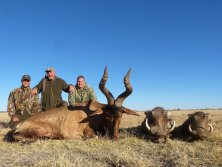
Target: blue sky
[173,47]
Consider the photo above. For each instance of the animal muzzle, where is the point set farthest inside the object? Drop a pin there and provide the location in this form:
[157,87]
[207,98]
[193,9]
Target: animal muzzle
[200,132]
[158,139]
[158,134]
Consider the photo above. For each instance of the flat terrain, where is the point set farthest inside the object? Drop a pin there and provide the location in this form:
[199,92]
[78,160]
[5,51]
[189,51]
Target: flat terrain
[129,150]
[4,117]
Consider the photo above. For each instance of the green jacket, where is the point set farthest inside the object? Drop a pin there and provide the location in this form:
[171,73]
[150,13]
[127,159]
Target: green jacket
[51,92]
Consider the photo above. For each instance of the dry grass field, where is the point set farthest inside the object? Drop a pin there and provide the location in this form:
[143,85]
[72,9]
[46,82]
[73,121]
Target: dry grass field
[128,151]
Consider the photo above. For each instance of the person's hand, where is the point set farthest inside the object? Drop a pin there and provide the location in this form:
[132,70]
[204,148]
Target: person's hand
[71,89]
[15,118]
[34,91]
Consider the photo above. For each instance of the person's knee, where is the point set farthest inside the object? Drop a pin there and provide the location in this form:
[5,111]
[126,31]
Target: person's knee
[12,124]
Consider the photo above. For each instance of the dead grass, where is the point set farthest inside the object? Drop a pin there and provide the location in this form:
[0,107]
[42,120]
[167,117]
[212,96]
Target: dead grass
[4,117]
[128,151]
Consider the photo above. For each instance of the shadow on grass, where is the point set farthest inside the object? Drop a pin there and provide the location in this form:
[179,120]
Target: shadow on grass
[134,132]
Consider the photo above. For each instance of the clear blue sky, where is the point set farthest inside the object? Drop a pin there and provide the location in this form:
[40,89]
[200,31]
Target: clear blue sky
[173,47]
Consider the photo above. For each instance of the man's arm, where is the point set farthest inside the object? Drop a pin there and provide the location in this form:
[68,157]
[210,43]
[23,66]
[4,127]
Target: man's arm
[71,99]
[36,107]
[38,88]
[11,104]
[67,88]
[92,95]
[11,107]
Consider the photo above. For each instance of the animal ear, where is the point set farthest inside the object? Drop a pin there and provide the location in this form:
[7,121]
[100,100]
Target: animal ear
[147,113]
[94,105]
[206,115]
[99,111]
[129,112]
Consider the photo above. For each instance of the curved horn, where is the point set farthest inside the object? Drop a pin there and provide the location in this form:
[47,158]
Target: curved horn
[147,125]
[172,126]
[128,91]
[105,91]
[211,128]
[191,131]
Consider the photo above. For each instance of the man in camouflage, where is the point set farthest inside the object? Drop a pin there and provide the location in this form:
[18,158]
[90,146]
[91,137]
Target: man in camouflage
[51,88]
[21,103]
[82,92]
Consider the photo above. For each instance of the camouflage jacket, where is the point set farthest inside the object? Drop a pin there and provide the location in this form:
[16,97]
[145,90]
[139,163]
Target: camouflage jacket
[82,95]
[22,103]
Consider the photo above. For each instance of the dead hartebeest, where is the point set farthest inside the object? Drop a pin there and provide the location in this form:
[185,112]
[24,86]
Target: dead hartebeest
[112,112]
[78,120]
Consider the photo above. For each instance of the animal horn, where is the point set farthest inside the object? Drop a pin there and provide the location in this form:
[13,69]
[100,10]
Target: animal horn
[128,91]
[211,128]
[172,126]
[147,125]
[191,131]
[105,91]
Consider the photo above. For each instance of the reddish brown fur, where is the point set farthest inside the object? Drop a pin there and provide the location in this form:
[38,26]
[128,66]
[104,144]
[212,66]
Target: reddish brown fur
[112,112]
[73,122]
[102,117]
[58,123]
[79,120]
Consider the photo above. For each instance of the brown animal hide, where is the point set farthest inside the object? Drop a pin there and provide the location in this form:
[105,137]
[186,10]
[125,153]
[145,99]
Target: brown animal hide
[114,109]
[79,120]
[157,125]
[58,123]
[196,127]
[108,116]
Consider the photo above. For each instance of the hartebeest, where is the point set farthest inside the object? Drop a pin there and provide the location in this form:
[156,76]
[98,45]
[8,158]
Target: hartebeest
[114,110]
[108,116]
[79,120]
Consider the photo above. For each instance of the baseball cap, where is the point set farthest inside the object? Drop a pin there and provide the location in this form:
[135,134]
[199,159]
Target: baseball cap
[26,77]
[49,69]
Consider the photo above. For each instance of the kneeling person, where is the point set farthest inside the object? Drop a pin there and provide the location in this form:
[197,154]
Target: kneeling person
[82,92]
[21,103]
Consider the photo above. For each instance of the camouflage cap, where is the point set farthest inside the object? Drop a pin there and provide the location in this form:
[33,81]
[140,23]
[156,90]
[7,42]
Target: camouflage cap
[26,77]
[49,69]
